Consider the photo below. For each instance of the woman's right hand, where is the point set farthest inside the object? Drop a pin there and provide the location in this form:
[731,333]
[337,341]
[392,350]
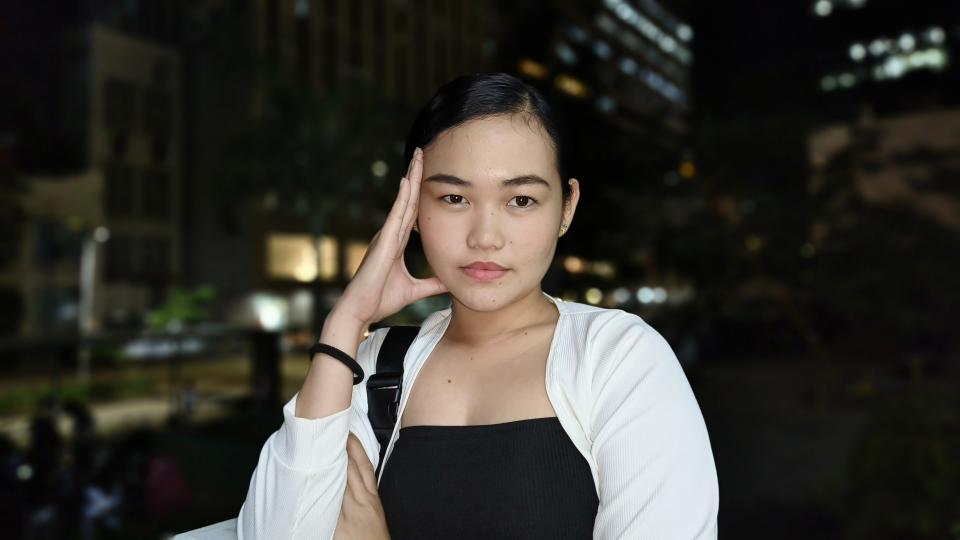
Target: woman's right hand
[382,284]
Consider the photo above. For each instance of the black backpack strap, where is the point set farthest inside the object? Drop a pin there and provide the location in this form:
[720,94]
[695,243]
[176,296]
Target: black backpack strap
[384,386]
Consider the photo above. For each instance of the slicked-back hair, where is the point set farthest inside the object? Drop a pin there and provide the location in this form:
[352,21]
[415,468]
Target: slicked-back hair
[483,95]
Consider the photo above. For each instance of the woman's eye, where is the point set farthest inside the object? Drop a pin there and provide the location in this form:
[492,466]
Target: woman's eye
[459,199]
[524,201]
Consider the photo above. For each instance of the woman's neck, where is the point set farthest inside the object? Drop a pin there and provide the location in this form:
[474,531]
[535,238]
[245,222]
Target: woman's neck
[472,328]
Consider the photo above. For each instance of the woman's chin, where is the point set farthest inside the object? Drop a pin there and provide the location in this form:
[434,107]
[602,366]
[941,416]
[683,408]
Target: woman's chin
[483,298]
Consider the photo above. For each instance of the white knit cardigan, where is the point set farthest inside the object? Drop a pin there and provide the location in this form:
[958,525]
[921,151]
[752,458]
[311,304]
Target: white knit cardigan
[618,391]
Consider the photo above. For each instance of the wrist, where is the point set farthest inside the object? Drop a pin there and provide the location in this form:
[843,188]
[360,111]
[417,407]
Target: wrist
[342,324]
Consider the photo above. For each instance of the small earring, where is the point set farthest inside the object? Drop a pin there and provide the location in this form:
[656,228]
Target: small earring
[563,229]
[415,227]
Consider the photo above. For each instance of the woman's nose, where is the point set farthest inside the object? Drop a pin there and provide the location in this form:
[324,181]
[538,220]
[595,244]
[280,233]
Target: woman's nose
[485,231]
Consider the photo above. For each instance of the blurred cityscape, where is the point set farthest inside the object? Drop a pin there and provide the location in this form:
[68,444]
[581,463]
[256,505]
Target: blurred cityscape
[186,186]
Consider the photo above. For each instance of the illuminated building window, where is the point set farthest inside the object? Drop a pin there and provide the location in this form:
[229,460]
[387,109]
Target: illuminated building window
[894,65]
[354,255]
[935,35]
[628,66]
[647,28]
[291,257]
[532,68]
[606,104]
[577,34]
[566,54]
[601,49]
[823,8]
[571,86]
[858,52]
[328,252]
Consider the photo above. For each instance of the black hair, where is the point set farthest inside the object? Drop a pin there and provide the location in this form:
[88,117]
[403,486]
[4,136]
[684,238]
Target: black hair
[482,95]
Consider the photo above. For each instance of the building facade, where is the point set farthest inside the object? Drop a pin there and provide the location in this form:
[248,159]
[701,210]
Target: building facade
[886,56]
[408,47]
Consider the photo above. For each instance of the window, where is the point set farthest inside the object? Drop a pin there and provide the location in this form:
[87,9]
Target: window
[118,146]
[120,189]
[355,35]
[120,259]
[273,28]
[119,107]
[159,149]
[157,112]
[156,193]
[155,256]
[330,44]
[304,60]
[291,257]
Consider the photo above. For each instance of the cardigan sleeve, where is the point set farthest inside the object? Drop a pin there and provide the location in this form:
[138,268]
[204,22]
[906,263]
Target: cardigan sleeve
[656,474]
[297,487]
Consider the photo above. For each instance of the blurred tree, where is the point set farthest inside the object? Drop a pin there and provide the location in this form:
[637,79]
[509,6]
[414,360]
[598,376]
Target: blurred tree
[182,308]
[905,472]
[324,159]
[314,155]
[735,227]
[884,275]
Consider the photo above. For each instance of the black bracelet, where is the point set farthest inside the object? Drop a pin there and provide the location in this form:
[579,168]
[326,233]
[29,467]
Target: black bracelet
[339,355]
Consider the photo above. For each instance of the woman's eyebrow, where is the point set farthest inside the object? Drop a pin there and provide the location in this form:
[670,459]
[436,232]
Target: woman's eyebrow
[523,180]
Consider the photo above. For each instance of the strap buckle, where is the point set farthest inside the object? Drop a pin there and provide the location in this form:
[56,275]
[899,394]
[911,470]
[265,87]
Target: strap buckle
[383,399]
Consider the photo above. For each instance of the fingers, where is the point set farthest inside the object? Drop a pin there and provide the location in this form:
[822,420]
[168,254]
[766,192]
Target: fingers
[414,175]
[422,288]
[364,467]
[394,221]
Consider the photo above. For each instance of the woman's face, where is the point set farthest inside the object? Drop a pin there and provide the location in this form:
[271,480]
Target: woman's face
[491,193]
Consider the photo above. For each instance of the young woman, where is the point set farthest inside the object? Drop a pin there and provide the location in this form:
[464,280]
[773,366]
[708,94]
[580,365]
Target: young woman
[522,415]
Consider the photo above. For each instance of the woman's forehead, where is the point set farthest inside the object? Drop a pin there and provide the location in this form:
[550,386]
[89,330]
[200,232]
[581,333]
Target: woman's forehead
[499,146]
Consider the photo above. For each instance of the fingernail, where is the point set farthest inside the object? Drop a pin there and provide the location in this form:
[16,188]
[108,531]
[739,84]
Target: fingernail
[418,150]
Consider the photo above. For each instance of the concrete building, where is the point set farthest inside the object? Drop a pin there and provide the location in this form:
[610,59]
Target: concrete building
[62,215]
[263,251]
[94,123]
[126,109]
[407,47]
[631,60]
[894,57]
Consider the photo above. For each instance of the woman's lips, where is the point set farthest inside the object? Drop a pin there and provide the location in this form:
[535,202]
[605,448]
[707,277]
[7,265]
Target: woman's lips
[483,275]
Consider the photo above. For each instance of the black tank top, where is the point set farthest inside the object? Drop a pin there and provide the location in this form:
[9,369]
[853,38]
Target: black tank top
[522,479]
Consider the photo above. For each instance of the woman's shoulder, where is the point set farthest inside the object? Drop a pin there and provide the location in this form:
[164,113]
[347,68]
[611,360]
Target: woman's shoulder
[612,342]
[599,323]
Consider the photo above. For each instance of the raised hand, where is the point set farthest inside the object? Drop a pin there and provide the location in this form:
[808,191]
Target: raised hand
[382,285]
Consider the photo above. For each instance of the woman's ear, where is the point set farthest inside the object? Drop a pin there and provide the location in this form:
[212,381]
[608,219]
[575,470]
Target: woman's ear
[570,203]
